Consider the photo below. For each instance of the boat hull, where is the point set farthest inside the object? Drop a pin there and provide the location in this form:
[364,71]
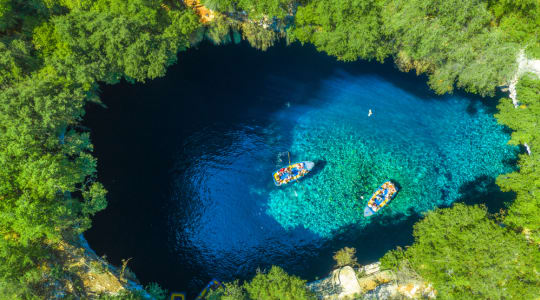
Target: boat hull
[368,212]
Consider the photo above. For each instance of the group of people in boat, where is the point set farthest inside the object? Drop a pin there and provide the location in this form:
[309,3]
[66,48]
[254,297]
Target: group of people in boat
[383,194]
[386,192]
[290,173]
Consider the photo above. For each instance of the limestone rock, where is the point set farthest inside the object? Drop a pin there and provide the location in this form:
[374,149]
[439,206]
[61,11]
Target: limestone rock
[341,284]
[370,283]
[346,279]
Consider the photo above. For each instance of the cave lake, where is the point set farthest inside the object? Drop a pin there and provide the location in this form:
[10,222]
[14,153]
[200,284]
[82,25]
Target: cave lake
[188,161]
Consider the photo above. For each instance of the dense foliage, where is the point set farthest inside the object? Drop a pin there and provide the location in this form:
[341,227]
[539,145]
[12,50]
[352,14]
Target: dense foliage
[347,29]
[275,284]
[524,213]
[520,20]
[468,256]
[451,40]
[52,55]
[255,9]
[346,257]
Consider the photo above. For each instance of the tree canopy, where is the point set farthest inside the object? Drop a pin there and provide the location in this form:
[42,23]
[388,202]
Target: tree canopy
[524,213]
[466,255]
[274,284]
[52,55]
[347,29]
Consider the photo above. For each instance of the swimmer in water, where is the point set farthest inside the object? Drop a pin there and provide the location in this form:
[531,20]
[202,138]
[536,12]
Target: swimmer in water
[370,113]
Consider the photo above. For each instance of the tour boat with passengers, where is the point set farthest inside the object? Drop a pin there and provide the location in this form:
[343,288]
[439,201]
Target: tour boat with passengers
[292,172]
[384,194]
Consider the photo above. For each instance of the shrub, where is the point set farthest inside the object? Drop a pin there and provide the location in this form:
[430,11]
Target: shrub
[346,257]
[468,256]
[156,291]
[277,284]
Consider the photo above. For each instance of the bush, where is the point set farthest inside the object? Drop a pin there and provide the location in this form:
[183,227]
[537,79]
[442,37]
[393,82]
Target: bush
[277,284]
[156,291]
[468,256]
[346,257]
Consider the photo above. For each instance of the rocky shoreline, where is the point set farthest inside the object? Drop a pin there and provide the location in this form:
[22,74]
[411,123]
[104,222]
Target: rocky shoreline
[369,282]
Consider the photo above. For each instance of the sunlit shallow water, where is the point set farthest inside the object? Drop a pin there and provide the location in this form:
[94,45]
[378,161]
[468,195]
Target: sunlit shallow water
[188,161]
[430,147]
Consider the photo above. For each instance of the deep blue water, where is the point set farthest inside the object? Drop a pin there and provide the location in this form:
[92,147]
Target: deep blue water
[187,160]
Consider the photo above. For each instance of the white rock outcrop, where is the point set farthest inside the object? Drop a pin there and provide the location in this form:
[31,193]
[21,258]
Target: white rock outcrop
[369,282]
[525,65]
[341,284]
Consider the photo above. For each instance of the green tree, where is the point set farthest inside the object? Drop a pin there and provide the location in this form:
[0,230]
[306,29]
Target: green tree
[468,256]
[7,16]
[345,257]
[347,29]
[257,36]
[277,284]
[16,61]
[273,285]
[52,53]
[452,41]
[230,291]
[524,213]
[100,45]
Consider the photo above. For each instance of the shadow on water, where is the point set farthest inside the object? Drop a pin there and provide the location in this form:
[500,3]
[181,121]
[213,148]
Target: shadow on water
[396,183]
[371,242]
[319,166]
[483,190]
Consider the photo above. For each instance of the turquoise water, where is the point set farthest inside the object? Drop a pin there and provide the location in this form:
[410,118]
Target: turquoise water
[429,146]
[188,162]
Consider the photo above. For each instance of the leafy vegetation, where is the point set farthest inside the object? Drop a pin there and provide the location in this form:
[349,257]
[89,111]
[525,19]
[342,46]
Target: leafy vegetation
[466,255]
[275,284]
[52,55]
[452,41]
[520,20]
[347,29]
[255,9]
[524,213]
[153,289]
[346,257]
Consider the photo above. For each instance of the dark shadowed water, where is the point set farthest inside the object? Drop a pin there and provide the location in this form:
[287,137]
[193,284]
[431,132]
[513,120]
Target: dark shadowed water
[187,160]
